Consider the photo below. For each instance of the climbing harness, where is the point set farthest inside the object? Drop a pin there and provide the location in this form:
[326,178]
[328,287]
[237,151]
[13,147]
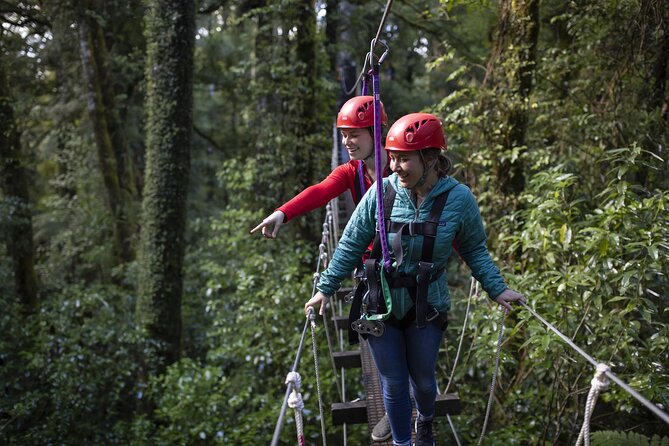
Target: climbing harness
[377,281]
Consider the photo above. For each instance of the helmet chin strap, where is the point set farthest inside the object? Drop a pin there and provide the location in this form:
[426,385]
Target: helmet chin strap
[370,156]
[426,172]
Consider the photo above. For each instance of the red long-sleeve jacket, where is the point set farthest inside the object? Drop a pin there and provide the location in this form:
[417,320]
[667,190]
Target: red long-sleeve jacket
[343,177]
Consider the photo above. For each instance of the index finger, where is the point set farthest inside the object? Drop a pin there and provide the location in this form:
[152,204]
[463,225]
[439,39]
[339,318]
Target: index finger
[262,224]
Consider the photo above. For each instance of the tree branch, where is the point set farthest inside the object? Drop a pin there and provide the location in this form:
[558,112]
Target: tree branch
[207,138]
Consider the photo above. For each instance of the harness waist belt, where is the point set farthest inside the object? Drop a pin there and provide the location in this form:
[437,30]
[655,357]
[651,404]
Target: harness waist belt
[403,280]
[412,228]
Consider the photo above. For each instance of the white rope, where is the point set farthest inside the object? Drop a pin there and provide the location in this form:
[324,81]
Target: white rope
[312,318]
[494,376]
[296,403]
[473,289]
[599,382]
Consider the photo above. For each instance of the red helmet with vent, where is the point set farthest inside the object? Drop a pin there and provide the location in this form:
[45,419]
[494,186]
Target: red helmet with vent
[358,112]
[416,131]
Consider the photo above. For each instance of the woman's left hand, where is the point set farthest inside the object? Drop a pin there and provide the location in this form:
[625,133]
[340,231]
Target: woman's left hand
[319,298]
[508,296]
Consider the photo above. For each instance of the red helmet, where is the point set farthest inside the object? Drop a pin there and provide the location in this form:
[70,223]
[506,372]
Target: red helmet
[416,131]
[358,112]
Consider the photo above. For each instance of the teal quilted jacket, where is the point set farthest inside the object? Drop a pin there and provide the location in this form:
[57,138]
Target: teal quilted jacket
[460,222]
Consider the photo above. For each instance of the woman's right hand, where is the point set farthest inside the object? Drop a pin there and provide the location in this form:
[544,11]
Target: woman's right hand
[275,218]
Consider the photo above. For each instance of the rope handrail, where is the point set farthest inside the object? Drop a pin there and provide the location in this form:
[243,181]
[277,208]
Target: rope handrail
[649,405]
[292,397]
[493,380]
[290,387]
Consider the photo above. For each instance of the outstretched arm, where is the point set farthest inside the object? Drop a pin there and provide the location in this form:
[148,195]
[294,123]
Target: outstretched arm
[309,199]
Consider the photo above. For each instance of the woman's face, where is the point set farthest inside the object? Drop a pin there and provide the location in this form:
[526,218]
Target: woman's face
[408,166]
[358,143]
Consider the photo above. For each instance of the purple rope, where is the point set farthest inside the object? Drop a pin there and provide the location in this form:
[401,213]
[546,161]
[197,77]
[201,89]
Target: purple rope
[361,180]
[365,86]
[381,220]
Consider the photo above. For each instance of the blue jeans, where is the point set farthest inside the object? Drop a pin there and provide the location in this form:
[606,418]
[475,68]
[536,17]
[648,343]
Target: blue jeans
[400,355]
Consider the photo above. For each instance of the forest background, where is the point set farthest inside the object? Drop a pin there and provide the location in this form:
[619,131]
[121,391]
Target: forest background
[140,141]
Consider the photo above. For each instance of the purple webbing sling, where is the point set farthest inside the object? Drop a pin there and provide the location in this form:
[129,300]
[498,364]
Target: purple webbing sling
[381,220]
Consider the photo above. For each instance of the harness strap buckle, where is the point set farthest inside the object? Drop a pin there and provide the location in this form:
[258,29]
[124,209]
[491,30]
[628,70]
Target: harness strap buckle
[432,314]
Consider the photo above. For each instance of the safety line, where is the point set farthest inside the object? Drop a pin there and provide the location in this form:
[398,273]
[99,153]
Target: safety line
[376,40]
[652,407]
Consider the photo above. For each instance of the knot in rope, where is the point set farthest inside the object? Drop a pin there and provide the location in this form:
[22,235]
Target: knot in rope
[295,400]
[600,381]
[295,379]
[316,277]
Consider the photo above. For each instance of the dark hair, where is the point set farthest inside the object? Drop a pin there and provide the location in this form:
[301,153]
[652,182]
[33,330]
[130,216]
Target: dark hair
[443,165]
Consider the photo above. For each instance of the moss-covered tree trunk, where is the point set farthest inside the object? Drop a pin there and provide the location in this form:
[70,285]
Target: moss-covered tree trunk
[511,69]
[117,201]
[169,105]
[14,183]
[305,121]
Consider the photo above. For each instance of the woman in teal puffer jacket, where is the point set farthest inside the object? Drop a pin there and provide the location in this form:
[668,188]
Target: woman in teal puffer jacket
[408,346]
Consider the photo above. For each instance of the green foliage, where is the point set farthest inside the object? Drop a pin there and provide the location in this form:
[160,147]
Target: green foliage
[587,244]
[614,438]
[68,371]
[253,291]
[585,241]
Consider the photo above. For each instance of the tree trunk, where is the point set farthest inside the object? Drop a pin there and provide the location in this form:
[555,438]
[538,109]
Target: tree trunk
[124,165]
[511,69]
[118,206]
[170,40]
[14,183]
[305,123]
[331,34]
[656,20]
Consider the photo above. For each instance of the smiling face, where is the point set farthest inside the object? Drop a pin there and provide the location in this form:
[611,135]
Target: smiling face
[358,143]
[408,165]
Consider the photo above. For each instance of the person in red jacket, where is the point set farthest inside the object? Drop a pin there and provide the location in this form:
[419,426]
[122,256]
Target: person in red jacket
[356,122]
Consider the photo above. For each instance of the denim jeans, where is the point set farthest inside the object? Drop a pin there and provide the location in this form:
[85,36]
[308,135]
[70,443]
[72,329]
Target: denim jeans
[401,355]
